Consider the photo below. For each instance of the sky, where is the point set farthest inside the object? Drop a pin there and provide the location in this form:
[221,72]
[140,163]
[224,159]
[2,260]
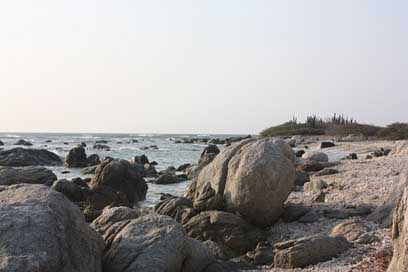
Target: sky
[213,66]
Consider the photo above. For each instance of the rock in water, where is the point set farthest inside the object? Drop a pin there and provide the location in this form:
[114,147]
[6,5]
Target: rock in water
[76,157]
[23,142]
[29,157]
[121,176]
[154,243]
[253,178]
[29,174]
[309,250]
[399,260]
[42,231]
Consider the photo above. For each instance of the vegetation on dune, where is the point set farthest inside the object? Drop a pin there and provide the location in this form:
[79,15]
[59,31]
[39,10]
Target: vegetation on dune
[338,125]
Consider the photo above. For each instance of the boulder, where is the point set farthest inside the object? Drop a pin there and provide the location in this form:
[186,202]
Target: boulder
[229,231]
[308,251]
[326,172]
[93,160]
[179,208]
[383,214]
[71,190]
[315,185]
[121,176]
[262,255]
[23,142]
[210,149]
[326,145]
[154,243]
[253,178]
[29,174]
[1,143]
[299,153]
[76,158]
[29,157]
[183,167]
[399,260]
[41,230]
[194,170]
[316,156]
[351,229]
[168,179]
[142,159]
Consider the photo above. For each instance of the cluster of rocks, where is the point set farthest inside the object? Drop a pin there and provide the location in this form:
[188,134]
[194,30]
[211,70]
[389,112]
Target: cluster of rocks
[379,153]
[213,141]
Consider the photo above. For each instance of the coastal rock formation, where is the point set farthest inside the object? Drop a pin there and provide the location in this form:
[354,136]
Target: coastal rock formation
[210,149]
[69,189]
[93,160]
[350,229]
[29,157]
[309,250]
[122,177]
[251,177]
[43,231]
[76,157]
[179,208]
[229,231]
[29,174]
[23,142]
[316,156]
[154,243]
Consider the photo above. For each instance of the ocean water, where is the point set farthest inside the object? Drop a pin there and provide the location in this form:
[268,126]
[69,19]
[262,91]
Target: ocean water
[168,154]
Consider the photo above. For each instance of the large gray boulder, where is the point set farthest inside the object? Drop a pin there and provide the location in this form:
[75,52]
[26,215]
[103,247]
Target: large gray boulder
[253,178]
[154,243]
[42,231]
[76,157]
[29,157]
[399,260]
[309,250]
[29,174]
[122,177]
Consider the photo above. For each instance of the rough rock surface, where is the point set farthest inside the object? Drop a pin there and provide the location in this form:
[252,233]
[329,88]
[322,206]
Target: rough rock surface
[309,250]
[76,157]
[23,142]
[251,177]
[121,176]
[179,208]
[316,156]
[229,231]
[42,231]
[350,229]
[155,243]
[29,174]
[29,157]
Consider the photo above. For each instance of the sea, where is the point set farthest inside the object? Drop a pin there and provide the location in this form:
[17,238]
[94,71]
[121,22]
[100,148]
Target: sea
[168,152]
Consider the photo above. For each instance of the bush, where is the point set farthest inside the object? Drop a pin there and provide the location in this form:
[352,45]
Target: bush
[395,131]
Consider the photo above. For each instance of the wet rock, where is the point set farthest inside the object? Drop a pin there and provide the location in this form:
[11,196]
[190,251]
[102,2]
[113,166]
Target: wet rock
[326,172]
[41,230]
[308,251]
[29,174]
[29,157]
[229,231]
[316,156]
[1,143]
[88,170]
[101,142]
[23,142]
[150,171]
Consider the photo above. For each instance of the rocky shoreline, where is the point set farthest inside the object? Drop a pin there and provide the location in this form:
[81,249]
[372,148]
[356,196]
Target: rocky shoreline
[254,205]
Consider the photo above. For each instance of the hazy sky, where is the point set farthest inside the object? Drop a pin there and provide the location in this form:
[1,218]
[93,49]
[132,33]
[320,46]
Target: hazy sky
[211,66]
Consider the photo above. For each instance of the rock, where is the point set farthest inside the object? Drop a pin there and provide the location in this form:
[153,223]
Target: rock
[41,230]
[154,163]
[229,231]
[383,214]
[155,243]
[400,149]
[82,144]
[81,182]
[29,157]
[179,208]
[134,141]
[347,212]
[368,157]
[251,177]
[315,185]
[299,153]
[1,143]
[326,172]
[102,196]
[211,149]
[93,160]
[326,144]
[101,142]
[154,147]
[194,170]
[312,166]
[169,170]
[350,229]
[316,156]
[142,159]
[102,147]
[29,174]
[310,217]
[231,140]
[308,251]
[23,142]
[301,178]
[399,260]
[183,167]
[167,179]
[353,156]
[150,170]
[76,158]
[215,250]
[88,170]
[262,255]
[293,212]
[121,176]
[72,191]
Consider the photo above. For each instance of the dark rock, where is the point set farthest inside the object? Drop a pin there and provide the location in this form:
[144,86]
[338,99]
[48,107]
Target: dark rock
[93,160]
[210,149]
[142,159]
[23,142]
[1,143]
[301,178]
[76,158]
[353,156]
[347,212]
[326,172]
[72,191]
[326,144]
[82,144]
[102,147]
[299,153]
[293,212]
[168,179]
[183,167]
[309,217]
[29,157]
[134,141]
[30,174]
[101,142]
[154,163]
[80,182]
[308,251]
